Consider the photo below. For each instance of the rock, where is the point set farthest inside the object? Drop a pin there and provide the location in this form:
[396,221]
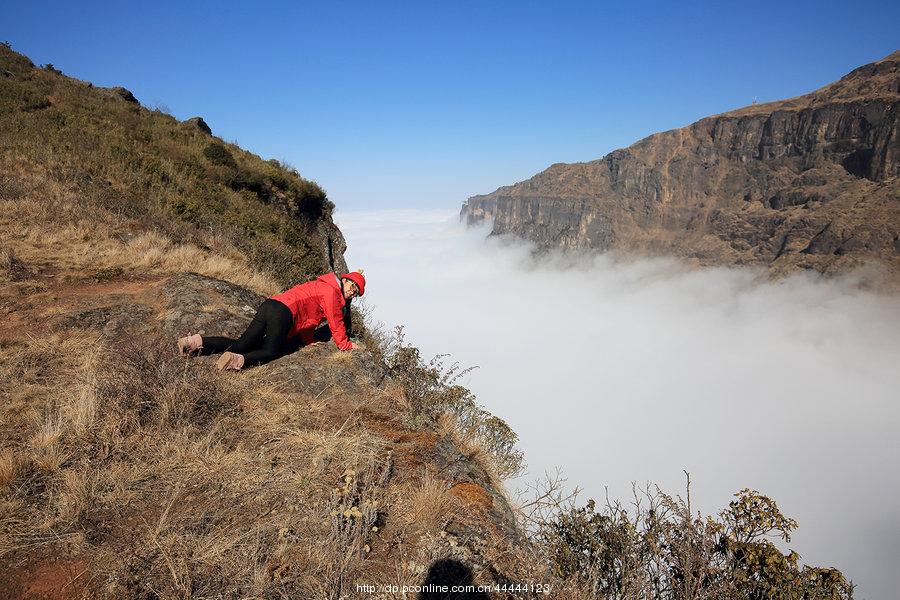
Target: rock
[198,123]
[769,184]
[332,245]
[196,302]
[473,485]
[120,93]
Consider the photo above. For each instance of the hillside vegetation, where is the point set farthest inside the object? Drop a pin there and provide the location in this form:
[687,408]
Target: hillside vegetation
[127,471]
[142,170]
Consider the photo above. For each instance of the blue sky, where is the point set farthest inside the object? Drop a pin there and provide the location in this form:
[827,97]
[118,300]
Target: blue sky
[422,104]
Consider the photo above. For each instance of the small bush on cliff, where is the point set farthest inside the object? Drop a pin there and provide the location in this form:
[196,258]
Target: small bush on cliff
[218,154]
[431,390]
[659,550]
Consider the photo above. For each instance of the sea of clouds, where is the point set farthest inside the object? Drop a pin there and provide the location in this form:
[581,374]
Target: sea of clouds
[623,373]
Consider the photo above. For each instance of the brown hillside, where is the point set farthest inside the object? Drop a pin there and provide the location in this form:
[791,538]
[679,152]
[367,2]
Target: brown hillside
[127,471]
[130,472]
[154,173]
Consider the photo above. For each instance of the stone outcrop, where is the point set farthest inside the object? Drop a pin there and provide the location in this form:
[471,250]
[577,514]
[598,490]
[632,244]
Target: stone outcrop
[198,123]
[805,183]
[332,244]
[120,93]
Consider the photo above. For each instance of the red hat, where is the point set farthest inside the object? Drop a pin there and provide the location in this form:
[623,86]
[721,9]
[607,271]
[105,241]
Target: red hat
[357,278]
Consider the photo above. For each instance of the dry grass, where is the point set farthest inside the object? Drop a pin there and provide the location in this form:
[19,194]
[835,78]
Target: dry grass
[154,253]
[48,460]
[426,506]
[173,478]
[9,467]
[40,379]
[76,493]
[90,246]
[80,410]
[48,434]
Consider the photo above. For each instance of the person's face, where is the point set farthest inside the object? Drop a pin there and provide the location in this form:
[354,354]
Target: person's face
[351,290]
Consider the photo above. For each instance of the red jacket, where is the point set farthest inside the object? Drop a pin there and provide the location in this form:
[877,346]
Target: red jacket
[313,301]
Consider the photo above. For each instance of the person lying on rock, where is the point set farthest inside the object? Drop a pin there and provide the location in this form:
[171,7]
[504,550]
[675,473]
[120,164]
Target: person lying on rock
[284,320]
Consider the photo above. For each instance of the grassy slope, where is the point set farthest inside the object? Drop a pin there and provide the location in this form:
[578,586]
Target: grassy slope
[126,471]
[153,173]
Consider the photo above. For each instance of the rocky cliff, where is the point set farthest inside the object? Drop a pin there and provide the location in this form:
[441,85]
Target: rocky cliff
[805,183]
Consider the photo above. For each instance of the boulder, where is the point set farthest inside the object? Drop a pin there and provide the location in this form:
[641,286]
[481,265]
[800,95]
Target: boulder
[120,93]
[198,123]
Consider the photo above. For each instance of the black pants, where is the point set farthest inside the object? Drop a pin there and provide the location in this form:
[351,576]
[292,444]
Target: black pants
[266,337]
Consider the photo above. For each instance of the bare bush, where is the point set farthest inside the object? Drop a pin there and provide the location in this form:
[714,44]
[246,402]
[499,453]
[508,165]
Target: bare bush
[657,548]
[355,513]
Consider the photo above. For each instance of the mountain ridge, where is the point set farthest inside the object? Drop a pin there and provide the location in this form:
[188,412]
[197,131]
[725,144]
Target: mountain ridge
[803,183]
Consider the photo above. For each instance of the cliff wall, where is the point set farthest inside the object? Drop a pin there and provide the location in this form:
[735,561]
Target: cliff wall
[805,183]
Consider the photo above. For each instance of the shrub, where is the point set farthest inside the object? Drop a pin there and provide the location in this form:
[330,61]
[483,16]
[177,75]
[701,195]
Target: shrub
[249,180]
[34,102]
[312,200]
[356,505]
[185,208]
[657,549]
[218,154]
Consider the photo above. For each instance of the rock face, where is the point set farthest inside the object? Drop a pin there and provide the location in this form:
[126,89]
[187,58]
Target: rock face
[198,123]
[805,183]
[120,93]
[332,245]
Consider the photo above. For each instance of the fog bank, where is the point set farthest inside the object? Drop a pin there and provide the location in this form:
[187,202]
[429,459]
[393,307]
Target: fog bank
[622,373]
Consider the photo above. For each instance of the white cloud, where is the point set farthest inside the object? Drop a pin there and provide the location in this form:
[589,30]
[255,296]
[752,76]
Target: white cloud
[623,373]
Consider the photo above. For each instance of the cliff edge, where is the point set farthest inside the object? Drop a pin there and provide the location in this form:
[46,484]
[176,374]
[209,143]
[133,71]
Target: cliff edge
[128,471]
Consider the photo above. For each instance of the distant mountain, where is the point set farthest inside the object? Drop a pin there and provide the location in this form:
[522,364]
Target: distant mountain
[805,183]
